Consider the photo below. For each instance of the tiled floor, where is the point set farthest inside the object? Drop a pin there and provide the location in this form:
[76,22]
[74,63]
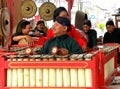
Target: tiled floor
[116,82]
[114,87]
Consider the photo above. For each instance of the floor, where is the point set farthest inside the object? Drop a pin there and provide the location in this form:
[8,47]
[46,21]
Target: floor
[114,87]
[116,82]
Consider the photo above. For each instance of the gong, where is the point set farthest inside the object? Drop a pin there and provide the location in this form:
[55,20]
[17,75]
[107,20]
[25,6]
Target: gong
[28,8]
[46,11]
[1,32]
[80,17]
[5,23]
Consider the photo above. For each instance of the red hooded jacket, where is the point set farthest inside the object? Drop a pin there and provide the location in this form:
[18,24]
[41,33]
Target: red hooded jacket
[73,33]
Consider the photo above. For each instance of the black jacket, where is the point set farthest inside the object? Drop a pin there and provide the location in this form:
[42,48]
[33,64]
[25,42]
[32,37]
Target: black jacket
[113,37]
[92,38]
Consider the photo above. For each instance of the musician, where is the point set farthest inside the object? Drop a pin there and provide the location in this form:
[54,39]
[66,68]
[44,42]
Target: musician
[91,34]
[61,41]
[23,34]
[112,35]
[61,11]
[39,30]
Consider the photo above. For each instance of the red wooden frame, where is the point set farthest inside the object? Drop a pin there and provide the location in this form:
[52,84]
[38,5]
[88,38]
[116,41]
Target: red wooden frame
[4,65]
[96,64]
[104,59]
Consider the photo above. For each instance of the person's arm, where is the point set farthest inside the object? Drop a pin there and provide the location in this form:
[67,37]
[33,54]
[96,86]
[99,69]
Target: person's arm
[105,38]
[75,35]
[94,38]
[118,35]
[75,48]
[26,37]
[44,49]
[18,38]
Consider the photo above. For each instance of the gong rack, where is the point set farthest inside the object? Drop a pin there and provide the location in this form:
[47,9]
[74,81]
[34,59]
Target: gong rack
[28,9]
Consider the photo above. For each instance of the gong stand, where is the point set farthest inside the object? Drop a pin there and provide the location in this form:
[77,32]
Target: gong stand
[70,4]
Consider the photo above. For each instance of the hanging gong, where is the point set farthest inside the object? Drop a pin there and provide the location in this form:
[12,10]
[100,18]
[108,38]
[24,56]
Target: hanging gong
[5,22]
[46,11]
[79,19]
[1,32]
[28,8]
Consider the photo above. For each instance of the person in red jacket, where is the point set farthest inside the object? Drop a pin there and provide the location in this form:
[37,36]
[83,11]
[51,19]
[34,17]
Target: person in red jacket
[61,11]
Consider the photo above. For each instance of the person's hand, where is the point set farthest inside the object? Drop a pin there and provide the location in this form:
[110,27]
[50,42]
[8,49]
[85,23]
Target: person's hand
[63,52]
[84,48]
[29,40]
[37,33]
[95,47]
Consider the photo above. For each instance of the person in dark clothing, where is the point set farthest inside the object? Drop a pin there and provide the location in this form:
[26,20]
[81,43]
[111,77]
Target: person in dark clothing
[112,35]
[39,30]
[23,34]
[91,33]
[61,40]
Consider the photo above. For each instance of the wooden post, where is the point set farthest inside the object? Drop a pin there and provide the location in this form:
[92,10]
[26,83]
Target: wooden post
[70,4]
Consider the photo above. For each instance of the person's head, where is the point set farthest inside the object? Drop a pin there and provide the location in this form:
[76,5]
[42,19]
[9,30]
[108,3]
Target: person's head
[60,11]
[110,26]
[61,26]
[26,27]
[40,24]
[86,25]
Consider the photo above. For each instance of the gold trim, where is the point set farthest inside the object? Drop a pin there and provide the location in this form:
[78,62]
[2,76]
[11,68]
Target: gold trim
[48,62]
[50,88]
